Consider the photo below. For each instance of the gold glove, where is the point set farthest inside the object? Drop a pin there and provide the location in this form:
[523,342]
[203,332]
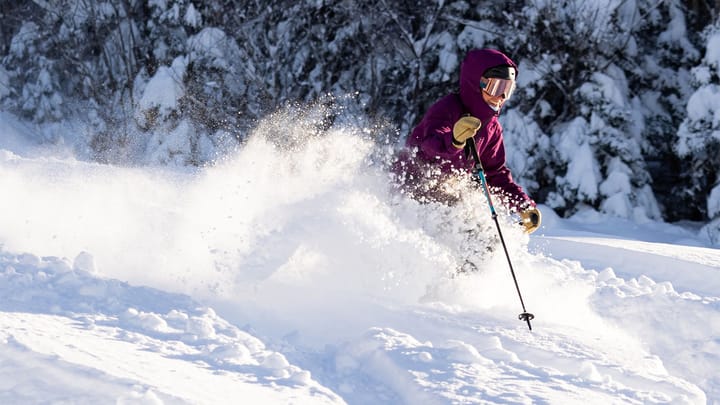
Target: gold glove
[464,129]
[531,219]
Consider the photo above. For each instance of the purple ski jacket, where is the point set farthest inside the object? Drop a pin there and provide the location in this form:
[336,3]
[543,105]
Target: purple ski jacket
[431,140]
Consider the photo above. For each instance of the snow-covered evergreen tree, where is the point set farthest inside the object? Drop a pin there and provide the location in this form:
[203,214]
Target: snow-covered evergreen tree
[31,76]
[607,81]
[699,136]
[574,84]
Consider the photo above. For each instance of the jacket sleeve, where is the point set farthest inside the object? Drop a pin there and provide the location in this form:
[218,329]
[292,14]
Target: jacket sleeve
[437,132]
[498,175]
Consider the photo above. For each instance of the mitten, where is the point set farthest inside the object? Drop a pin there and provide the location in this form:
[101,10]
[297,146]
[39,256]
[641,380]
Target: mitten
[464,129]
[531,219]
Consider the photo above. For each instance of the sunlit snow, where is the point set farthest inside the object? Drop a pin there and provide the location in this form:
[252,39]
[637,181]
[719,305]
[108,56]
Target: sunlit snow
[292,272]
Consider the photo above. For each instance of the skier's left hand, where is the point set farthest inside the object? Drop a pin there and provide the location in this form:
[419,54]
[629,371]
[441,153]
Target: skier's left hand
[531,219]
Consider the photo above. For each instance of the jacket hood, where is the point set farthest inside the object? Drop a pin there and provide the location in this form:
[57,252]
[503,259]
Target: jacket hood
[476,62]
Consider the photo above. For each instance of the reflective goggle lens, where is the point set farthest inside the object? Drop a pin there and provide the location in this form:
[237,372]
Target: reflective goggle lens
[496,87]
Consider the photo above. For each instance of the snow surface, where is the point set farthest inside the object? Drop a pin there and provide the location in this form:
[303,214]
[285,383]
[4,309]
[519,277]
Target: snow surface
[296,275]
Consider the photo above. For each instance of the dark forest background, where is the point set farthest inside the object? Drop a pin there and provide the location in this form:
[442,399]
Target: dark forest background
[617,107]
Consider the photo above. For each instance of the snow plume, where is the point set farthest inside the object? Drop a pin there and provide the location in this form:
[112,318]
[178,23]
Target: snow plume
[304,205]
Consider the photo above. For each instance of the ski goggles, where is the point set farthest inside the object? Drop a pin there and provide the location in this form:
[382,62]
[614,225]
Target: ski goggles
[496,87]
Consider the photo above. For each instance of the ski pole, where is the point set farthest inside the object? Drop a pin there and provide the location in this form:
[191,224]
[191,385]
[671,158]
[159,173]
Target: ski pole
[479,173]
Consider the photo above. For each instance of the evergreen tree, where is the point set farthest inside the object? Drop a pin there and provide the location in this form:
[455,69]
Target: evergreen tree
[602,91]
[574,85]
[661,79]
[698,142]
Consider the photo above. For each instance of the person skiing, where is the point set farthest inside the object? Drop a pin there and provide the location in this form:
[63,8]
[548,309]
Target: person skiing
[436,148]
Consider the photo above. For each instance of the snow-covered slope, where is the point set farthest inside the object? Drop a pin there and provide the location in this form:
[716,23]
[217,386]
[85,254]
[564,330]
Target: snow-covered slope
[298,276]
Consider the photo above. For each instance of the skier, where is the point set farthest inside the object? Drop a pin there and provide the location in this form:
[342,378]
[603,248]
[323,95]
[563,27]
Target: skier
[436,148]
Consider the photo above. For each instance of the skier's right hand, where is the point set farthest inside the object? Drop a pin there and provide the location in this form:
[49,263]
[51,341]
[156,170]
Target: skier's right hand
[464,129]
